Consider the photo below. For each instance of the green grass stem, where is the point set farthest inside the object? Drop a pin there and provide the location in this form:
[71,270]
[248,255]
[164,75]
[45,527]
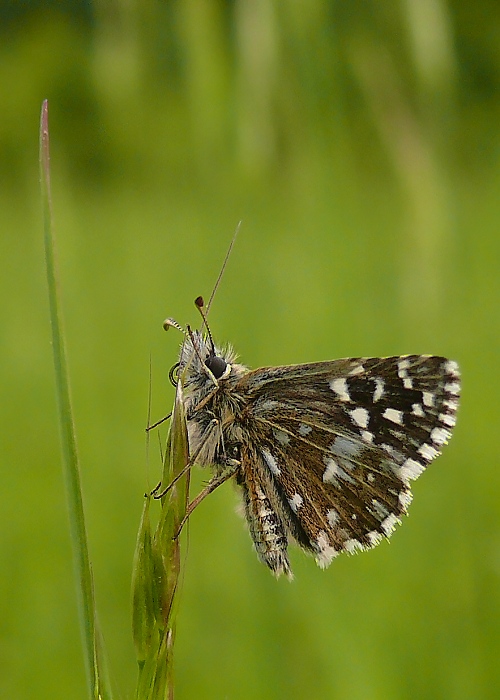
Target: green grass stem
[98,688]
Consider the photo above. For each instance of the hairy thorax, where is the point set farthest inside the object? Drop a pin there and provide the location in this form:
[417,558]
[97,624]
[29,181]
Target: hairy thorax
[214,407]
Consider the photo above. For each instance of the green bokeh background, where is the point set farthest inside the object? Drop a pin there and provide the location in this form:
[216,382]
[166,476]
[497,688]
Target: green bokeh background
[359,143]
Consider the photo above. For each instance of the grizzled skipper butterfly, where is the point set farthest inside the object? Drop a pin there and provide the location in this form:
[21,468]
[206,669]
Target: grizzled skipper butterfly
[324,452]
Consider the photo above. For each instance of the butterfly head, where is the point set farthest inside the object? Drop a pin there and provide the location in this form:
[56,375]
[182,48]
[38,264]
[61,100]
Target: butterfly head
[201,361]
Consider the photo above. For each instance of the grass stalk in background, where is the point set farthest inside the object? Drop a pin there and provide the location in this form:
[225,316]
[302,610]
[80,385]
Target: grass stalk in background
[157,570]
[97,684]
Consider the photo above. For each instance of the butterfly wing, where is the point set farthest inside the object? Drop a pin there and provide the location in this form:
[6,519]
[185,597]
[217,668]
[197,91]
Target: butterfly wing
[264,511]
[332,447]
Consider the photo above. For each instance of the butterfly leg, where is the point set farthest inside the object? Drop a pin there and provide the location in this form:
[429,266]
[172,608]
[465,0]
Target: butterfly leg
[214,483]
[157,496]
[186,469]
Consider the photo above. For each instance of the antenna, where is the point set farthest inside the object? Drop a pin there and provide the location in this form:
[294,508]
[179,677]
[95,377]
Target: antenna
[172,323]
[216,286]
[200,305]
[187,332]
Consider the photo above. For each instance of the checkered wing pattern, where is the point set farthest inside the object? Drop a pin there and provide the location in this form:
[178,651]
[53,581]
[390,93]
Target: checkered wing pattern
[330,449]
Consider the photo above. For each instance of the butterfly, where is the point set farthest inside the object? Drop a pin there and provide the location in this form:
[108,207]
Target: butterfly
[324,452]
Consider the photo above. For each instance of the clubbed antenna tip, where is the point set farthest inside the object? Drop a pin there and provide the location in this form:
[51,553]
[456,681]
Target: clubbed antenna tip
[200,305]
[170,323]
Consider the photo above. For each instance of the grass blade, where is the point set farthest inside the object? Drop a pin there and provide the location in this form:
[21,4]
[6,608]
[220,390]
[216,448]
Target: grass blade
[98,688]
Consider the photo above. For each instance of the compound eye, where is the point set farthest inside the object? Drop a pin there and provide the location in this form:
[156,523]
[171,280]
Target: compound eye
[217,365]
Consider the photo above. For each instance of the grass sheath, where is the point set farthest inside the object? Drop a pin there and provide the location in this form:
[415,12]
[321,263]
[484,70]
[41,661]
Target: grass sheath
[157,570]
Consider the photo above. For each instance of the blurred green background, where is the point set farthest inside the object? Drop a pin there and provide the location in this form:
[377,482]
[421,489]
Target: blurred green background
[359,143]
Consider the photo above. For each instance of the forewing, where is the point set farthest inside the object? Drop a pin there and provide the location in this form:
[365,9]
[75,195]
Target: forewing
[341,440]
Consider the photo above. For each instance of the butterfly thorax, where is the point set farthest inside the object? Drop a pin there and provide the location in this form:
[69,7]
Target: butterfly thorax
[212,402]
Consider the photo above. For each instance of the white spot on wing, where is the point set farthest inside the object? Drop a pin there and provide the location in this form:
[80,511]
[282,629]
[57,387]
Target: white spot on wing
[332,516]
[440,436]
[452,368]
[447,419]
[389,524]
[428,399]
[393,453]
[379,390]
[402,367]
[374,537]
[268,405]
[453,388]
[296,502]
[367,436]
[345,447]
[334,472]
[380,509]
[304,429]
[282,437]
[325,552]
[428,452]
[417,410]
[352,546]
[339,386]
[393,415]
[405,498]
[358,369]
[452,404]
[271,462]
[408,383]
[360,416]
[411,469]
